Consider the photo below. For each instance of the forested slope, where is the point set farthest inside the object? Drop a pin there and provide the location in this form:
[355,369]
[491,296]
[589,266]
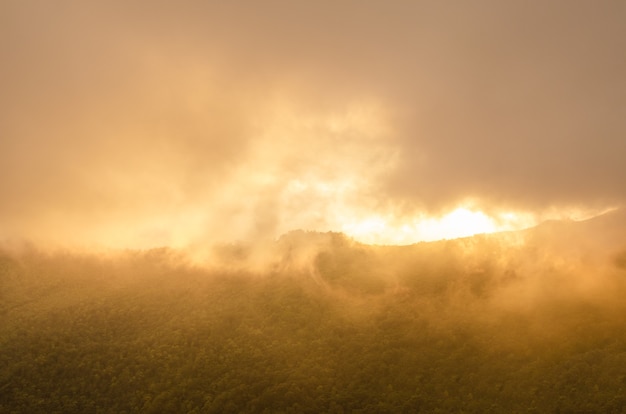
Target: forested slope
[510,323]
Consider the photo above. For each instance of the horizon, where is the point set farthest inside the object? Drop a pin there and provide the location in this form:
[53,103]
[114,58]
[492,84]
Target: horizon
[149,124]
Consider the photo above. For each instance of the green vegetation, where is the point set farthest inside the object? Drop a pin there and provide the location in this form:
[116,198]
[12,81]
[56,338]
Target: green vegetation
[474,325]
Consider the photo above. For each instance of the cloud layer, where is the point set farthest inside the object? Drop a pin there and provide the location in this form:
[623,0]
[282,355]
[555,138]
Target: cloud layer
[160,123]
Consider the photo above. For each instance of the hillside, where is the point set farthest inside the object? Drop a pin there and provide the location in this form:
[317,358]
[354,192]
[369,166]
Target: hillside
[530,321]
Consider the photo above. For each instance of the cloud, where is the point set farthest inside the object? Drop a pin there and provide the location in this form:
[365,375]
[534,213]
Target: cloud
[160,123]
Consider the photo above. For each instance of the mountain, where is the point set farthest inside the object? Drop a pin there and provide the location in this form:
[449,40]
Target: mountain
[529,321]
[606,230]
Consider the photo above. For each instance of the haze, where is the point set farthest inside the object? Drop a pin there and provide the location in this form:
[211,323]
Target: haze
[141,124]
[278,206]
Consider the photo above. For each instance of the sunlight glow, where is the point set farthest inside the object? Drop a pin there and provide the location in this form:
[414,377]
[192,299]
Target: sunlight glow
[461,222]
[365,228]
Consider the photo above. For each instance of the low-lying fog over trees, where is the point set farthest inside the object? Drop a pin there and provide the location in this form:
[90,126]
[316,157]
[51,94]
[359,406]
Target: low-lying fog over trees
[157,158]
[529,321]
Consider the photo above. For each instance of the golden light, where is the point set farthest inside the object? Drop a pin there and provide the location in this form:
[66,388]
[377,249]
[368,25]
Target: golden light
[365,229]
[461,222]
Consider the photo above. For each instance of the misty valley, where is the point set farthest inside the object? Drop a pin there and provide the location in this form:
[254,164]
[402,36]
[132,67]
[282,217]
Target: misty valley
[404,206]
[529,321]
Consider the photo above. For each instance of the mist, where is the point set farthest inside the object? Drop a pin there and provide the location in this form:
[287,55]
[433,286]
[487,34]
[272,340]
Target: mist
[320,322]
[413,206]
[153,124]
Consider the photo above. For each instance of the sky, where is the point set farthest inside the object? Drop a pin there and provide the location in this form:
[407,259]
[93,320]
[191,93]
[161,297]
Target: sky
[149,123]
